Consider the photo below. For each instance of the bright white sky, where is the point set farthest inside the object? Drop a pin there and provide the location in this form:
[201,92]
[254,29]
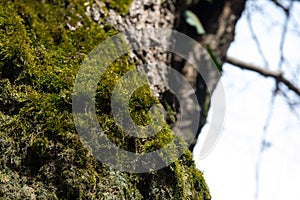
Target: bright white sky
[229,169]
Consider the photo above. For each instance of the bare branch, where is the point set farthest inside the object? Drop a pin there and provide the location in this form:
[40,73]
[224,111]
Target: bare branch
[277,3]
[264,144]
[255,38]
[283,34]
[278,76]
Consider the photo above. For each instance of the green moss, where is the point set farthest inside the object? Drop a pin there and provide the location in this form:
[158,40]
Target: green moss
[41,155]
[120,5]
[140,103]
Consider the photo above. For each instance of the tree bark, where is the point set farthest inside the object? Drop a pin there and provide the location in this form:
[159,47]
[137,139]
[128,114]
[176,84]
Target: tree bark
[43,44]
[219,19]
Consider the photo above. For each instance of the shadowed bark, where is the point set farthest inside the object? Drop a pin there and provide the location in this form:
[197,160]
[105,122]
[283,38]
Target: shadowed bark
[219,20]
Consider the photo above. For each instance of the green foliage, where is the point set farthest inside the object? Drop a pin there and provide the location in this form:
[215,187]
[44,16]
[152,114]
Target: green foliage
[41,155]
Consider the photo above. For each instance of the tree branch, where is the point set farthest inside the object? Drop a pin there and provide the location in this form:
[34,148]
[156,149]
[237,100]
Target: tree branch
[278,76]
[255,38]
[277,3]
[284,32]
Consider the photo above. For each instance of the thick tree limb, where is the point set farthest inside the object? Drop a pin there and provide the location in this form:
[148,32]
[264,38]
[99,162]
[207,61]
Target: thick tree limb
[278,76]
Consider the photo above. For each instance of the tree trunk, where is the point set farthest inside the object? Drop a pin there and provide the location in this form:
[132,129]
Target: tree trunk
[42,47]
[218,17]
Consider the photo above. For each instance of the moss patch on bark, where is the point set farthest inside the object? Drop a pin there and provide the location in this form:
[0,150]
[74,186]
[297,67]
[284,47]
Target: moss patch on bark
[42,45]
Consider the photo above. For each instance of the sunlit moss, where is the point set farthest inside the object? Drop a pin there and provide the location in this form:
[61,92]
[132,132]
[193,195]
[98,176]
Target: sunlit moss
[41,155]
[120,5]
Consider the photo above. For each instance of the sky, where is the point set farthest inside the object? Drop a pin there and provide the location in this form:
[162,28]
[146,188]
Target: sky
[230,169]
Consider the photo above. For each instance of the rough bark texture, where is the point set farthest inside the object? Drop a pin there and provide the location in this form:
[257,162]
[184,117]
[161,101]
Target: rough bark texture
[218,18]
[42,44]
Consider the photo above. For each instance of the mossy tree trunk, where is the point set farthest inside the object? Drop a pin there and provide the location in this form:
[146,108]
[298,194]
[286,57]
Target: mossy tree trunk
[42,45]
